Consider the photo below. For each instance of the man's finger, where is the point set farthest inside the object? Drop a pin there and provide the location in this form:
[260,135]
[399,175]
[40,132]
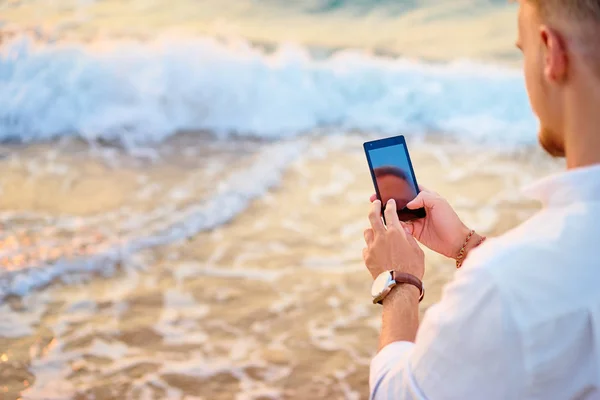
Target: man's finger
[409,237]
[391,216]
[423,200]
[375,218]
[408,226]
[369,236]
[365,253]
[373,198]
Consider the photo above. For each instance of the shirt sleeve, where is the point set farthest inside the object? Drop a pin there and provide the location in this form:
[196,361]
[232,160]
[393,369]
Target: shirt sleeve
[467,347]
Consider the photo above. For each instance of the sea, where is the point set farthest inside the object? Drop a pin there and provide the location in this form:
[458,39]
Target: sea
[183,189]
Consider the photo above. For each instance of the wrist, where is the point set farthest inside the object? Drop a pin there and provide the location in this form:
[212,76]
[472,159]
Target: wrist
[460,241]
[389,283]
[475,241]
[472,240]
[402,293]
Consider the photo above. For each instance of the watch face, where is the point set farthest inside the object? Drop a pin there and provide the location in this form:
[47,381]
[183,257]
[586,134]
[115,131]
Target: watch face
[381,283]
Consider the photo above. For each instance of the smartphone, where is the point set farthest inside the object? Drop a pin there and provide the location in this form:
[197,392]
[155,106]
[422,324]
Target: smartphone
[393,175]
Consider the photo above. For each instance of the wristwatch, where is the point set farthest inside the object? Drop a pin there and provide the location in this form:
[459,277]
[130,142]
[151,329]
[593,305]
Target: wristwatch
[386,281]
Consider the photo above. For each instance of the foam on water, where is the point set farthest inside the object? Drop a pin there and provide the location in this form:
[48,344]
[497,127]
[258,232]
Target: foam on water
[163,225]
[136,92]
[18,324]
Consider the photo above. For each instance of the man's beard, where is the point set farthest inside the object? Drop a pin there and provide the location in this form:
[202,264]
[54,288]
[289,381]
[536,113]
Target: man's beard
[549,143]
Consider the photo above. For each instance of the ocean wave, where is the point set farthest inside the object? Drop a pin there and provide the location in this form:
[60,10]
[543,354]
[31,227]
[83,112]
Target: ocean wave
[134,92]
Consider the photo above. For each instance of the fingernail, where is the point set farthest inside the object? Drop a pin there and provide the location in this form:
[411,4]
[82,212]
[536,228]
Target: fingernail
[391,201]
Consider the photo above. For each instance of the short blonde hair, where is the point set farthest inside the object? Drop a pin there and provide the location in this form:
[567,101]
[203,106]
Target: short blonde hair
[584,18]
[583,10]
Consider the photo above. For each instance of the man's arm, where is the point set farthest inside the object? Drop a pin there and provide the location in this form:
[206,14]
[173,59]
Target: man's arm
[388,248]
[467,347]
[400,319]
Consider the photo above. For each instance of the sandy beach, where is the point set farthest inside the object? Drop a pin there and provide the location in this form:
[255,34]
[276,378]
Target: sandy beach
[262,295]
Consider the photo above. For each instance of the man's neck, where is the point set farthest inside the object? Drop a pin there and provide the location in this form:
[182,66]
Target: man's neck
[582,128]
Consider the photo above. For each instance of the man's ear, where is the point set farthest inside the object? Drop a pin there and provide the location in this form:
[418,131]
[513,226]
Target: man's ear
[555,55]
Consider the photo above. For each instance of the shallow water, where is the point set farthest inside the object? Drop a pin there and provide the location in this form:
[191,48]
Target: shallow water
[272,304]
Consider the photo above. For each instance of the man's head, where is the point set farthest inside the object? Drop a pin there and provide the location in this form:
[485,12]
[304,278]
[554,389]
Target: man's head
[560,40]
[394,184]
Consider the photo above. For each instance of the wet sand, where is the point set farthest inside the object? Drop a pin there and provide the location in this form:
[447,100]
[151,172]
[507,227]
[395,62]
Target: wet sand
[272,302]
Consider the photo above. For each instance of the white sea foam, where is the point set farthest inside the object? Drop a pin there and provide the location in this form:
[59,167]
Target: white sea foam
[160,226]
[139,92]
[14,324]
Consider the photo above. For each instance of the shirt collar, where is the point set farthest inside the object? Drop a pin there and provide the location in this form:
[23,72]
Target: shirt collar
[575,185]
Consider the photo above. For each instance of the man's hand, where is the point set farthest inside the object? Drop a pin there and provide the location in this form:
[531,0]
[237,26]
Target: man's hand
[391,248]
[441,230]
[394,249]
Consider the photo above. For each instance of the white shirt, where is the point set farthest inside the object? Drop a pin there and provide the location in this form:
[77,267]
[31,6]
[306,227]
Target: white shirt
[521,319]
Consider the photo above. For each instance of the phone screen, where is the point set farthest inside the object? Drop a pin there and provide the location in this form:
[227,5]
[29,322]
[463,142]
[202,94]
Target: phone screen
[394,177]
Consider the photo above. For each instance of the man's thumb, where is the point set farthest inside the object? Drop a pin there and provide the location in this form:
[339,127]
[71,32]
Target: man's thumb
[417,202]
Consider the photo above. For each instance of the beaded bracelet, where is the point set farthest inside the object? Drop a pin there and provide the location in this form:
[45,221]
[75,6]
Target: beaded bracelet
[463,250]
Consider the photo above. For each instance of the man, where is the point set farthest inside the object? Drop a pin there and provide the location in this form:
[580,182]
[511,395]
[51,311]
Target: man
[393,183]
[521,320]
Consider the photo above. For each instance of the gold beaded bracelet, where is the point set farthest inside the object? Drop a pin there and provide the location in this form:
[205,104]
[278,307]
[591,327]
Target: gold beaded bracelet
[463,250]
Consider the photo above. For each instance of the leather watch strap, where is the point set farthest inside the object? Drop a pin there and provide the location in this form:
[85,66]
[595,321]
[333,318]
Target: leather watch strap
[401,277]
